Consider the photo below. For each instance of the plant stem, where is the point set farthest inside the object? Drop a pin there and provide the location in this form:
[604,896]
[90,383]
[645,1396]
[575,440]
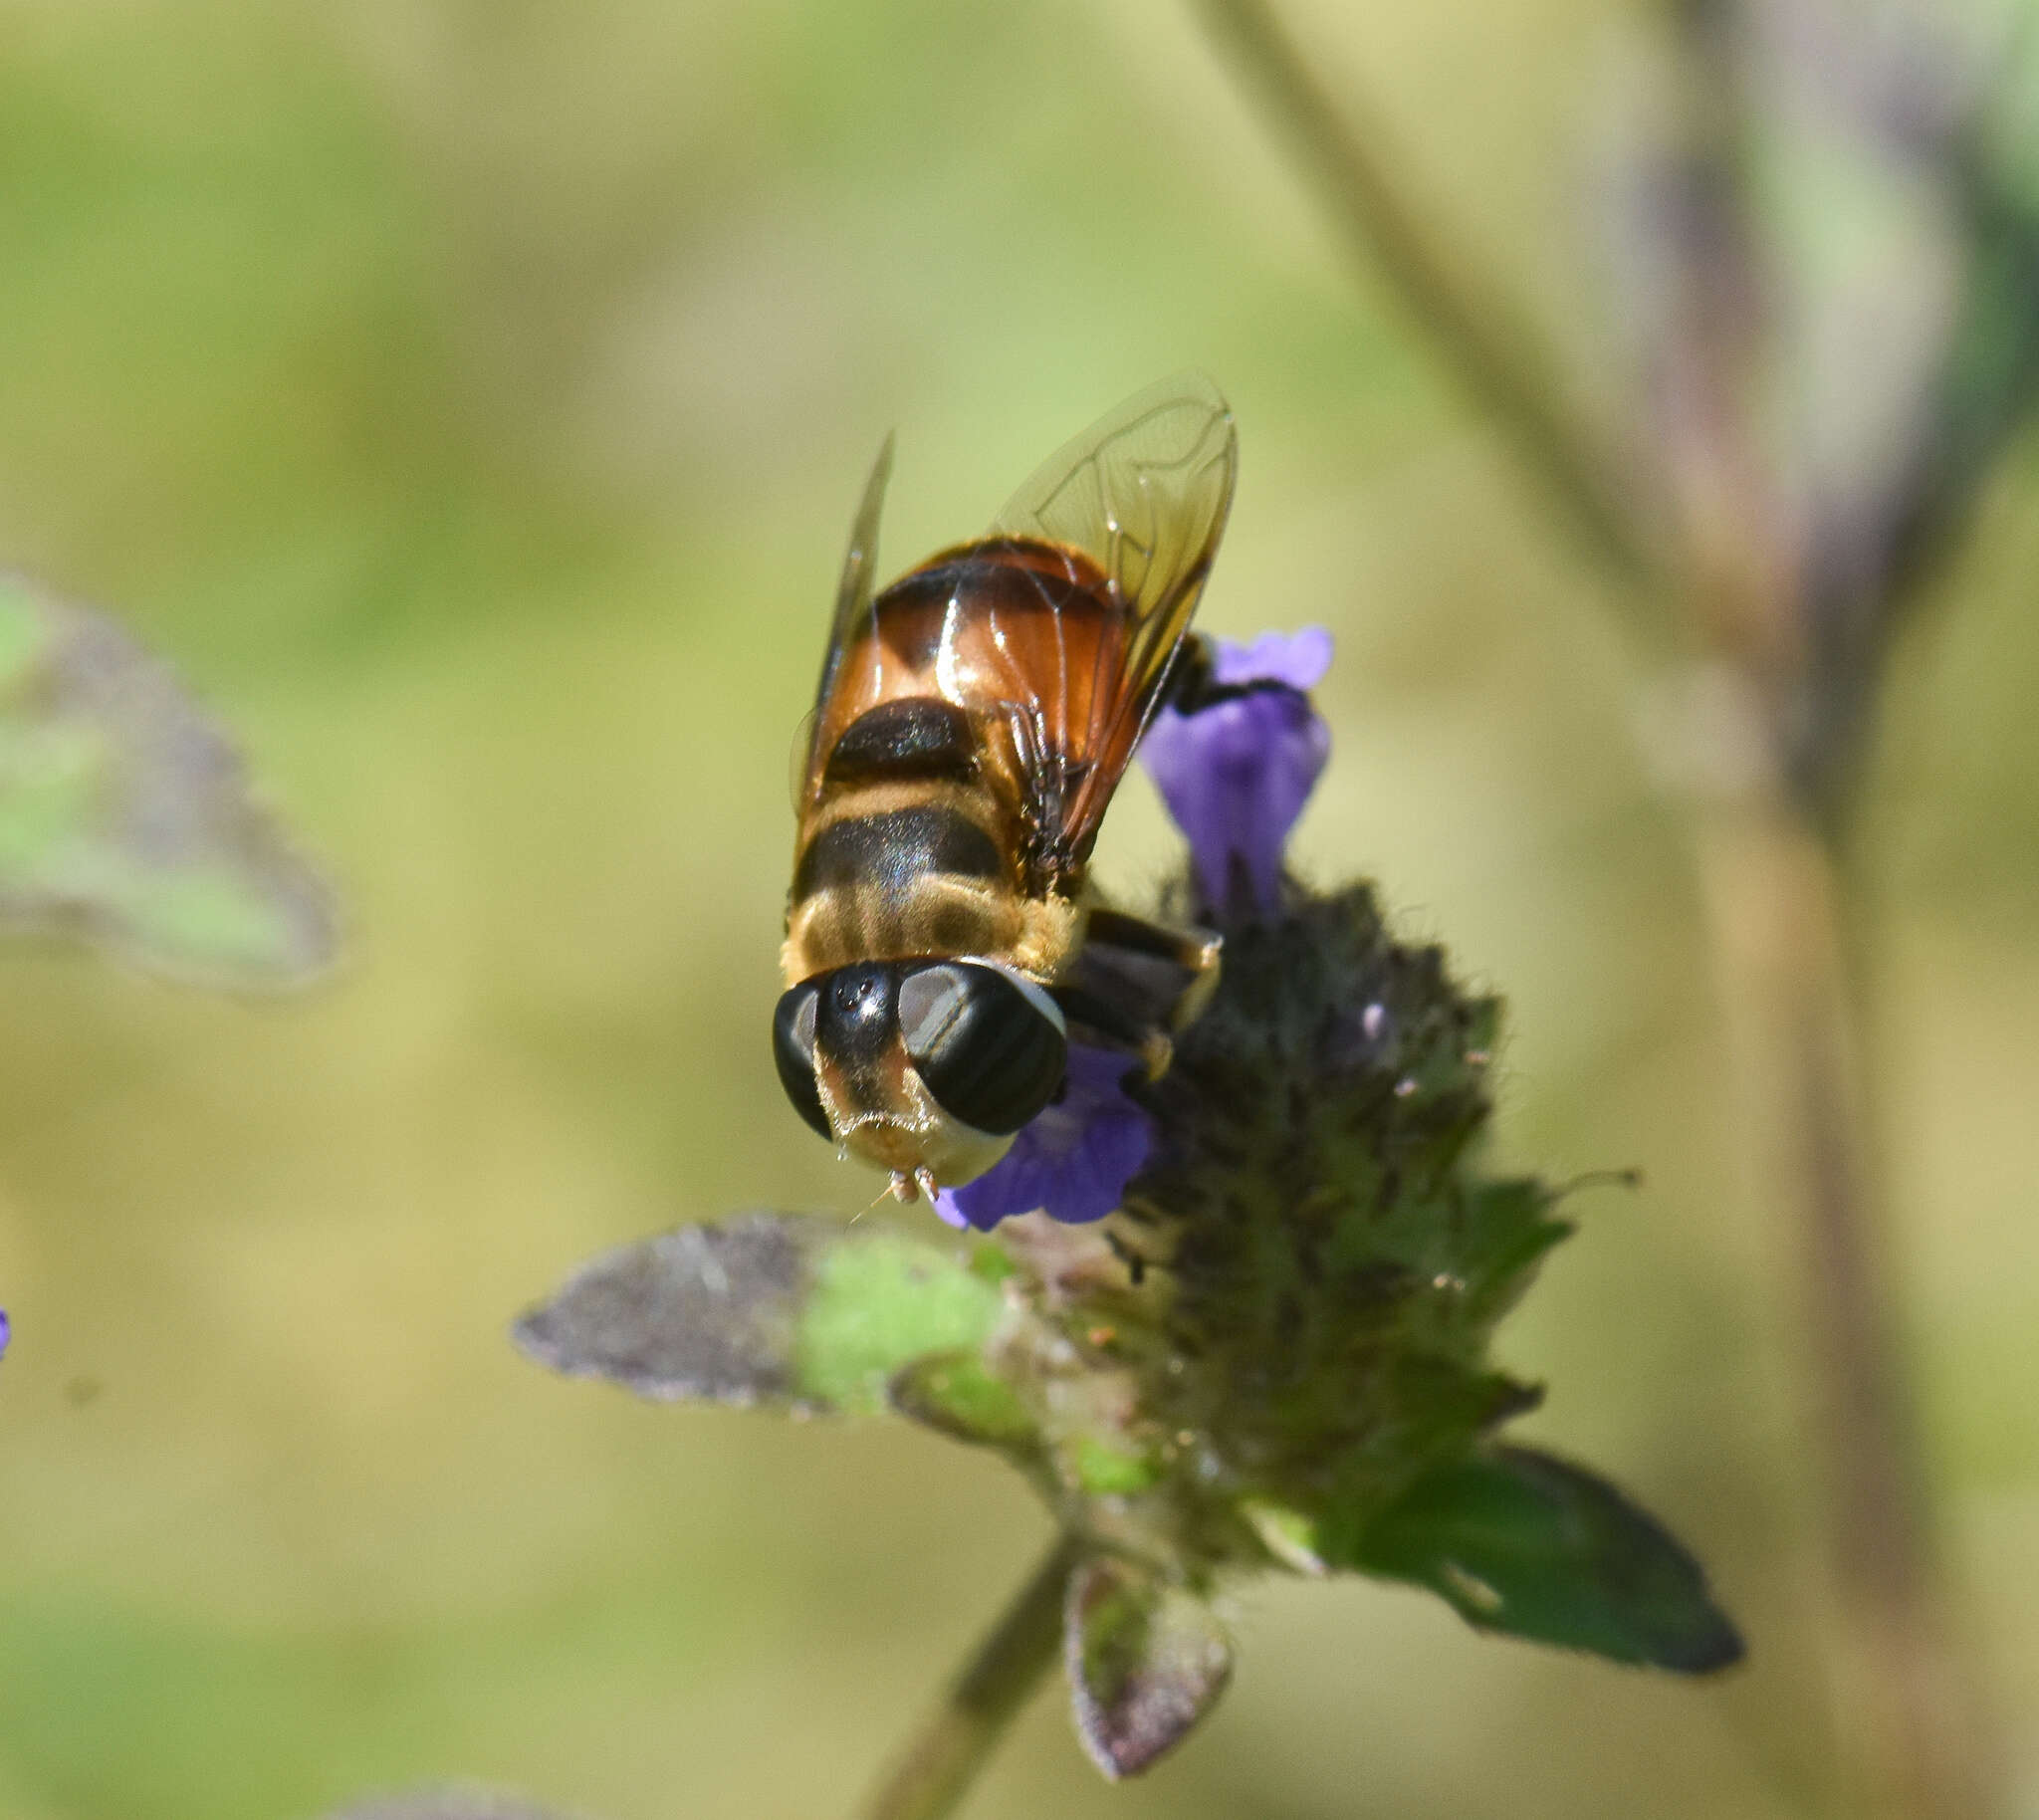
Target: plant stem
[1913,1725]
[1482,341]
[955,1741]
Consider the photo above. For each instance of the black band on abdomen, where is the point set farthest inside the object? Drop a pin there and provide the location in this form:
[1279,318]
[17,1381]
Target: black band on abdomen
[917,736]
[894,849]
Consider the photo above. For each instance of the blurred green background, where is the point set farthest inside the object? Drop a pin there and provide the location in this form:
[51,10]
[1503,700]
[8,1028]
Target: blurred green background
[470,399]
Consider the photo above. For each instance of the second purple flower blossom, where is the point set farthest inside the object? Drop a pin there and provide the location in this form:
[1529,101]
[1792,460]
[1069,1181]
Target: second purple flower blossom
[1235,774]
[1073,1161]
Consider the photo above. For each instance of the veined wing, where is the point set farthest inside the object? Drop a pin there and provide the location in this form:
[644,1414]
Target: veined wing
[1055,634]
[1143,495]
[852,609]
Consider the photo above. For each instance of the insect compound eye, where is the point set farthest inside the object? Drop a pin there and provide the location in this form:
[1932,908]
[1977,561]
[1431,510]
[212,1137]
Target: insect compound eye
[793,1048]
[991,1046]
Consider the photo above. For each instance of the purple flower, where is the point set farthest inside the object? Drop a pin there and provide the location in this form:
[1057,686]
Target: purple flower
[1072,1162]
[1235,773]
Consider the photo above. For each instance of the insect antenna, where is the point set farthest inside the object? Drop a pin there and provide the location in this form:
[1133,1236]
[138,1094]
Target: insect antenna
[871,1202]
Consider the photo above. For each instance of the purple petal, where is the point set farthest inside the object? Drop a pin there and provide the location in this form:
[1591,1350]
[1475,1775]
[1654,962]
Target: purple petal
[947,1211]
[1236,773]
[1299,659]
[1072,1162]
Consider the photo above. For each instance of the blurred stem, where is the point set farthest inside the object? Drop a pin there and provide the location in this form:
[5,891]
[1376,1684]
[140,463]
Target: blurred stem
[956,1739]
[1787,924]
[1788,942]
[1476,335]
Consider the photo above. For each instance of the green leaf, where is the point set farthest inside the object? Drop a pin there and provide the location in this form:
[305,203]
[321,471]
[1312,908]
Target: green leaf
[766,1308]
[955,1394]
[880,1299]
[1147,1659]
[1530,1547]
[127,817]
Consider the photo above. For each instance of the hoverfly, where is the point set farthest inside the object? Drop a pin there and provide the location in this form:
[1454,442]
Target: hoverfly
[942,941]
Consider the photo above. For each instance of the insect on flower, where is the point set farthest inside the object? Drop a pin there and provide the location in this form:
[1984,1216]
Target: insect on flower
[943,942]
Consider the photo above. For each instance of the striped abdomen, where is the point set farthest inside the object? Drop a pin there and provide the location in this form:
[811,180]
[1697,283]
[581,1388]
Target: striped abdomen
[909,850]
[955,726]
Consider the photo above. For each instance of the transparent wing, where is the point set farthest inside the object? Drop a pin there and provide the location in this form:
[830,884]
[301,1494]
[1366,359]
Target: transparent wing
[1057,631]
[1143,494]
[853,598]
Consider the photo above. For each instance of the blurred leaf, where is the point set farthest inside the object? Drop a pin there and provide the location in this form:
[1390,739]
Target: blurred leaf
[776,1308]
[126,816]
[1990,373]
[1530,1547]
[955,1394]
[1146,1660]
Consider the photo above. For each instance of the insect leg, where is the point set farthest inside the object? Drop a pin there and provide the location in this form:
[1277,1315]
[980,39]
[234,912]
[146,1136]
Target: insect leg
[1099,1021]
[1196,952]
